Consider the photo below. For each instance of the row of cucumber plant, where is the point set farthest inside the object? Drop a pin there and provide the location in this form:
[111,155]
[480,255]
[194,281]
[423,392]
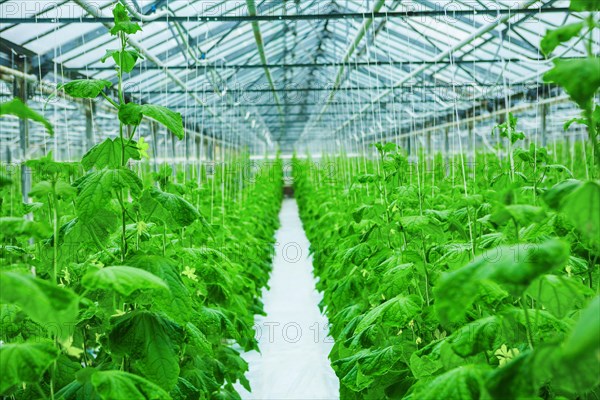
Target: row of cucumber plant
[119,282]
[444,279]
[454,287]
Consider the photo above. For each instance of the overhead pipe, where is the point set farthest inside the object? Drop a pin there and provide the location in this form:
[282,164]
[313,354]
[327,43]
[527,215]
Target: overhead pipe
[478,33]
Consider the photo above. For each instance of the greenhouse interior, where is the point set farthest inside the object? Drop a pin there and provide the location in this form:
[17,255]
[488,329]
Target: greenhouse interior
[309,200]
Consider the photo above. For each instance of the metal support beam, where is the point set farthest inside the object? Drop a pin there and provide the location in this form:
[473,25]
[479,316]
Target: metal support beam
[441,56]
[303,17]
[352,65]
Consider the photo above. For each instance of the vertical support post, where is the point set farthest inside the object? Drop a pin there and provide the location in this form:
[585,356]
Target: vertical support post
[446,143]
[89,126]
[430,153]
[153,132]
[173,153]
[471,144]
[543,130]
[20,91]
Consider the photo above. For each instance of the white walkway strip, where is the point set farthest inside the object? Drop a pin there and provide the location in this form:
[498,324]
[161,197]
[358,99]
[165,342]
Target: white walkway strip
[293,337]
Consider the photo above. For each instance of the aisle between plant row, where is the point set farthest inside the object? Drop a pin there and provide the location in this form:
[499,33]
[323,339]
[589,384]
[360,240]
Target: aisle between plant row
[444,281]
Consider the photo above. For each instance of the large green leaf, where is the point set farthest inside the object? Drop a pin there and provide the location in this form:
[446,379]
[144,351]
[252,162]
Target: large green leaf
[109,154]
[513,267]
[555,37]
[580,78]
[25,362]
[151,342]
[585,5]
[167,208]
[18,226]
[125,59]
[130,114]
[19,109]
[177,304]
[477,336]
[555,196]
[462,383]
[123,280]
[584,338]
[558,294]
[582,207]
[397,311]
[170,119]
[523,214]
[523,375]
[53,307]
[96,188]
[85,88]
[112,385]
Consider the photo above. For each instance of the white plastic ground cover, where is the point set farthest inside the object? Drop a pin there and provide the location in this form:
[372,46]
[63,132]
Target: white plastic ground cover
[293,337]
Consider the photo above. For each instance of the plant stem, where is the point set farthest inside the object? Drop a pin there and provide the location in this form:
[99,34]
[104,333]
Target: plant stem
[528,324]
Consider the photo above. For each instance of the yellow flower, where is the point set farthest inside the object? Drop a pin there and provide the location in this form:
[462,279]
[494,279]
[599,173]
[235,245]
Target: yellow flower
[70,349]
[569,271]
[142,147]
[190,273]
[141,227]
[504,355]
[418,341]
[118,313]
[66,275]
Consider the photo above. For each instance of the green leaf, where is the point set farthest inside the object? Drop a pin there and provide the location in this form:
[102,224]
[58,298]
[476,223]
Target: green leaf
[151,343]
[512,267]
[61,188]
[582,207]
[18,226]
[53,307]
[555,37]
[123,280]
[398,311]
[555,196]
[123,21]
[558,294]
[112,385]
[523,376]
[583,340]
[585,5]
[477,336]
[167,208]
[25,362]
[19,109]
[130,114]
[177,304]
[462,383]
[85,88]
[109,153]
[129,58]
[575,120]
[580,78]
[170,119]
[96,188]
[524,214]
